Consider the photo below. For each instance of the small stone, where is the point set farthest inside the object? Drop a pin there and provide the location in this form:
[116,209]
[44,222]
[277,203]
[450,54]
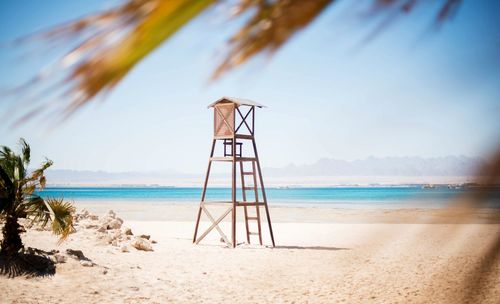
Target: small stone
[86,263]
[153,242]
[76,254]
[128,231]
[114,224]
[117,235]
[124,248]
[114,243]
[91,226]
[141,244]
[104,271]
[94,217]
[59,258]
[102,229]
[106,219]
[111,214]
[145,236]
[108,239]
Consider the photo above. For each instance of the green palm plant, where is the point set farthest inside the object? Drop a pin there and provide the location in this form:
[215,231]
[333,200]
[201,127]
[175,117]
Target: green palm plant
[18,199]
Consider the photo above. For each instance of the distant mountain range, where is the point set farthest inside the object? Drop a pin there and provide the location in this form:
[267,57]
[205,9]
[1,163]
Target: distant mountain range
[386,166]
[386,170]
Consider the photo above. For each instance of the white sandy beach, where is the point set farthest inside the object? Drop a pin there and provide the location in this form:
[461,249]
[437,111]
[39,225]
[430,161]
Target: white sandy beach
[325,256]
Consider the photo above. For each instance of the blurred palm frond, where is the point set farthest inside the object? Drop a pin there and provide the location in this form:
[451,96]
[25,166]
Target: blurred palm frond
[271,25]
[111,43]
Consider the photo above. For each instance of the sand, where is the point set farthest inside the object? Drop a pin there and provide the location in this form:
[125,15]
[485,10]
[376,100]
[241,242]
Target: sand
[327,256]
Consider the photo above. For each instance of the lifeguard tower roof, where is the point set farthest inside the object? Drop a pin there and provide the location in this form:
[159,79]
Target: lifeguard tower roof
[238,101]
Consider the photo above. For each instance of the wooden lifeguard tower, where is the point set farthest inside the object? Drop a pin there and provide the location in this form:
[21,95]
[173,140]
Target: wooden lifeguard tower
[233,130]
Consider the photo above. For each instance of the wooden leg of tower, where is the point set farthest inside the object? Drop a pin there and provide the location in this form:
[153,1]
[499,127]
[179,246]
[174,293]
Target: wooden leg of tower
[246,224]
[244,199]
[204,192]
[257,207]
[197,222]
[264,197]
[258,225]
[233,192]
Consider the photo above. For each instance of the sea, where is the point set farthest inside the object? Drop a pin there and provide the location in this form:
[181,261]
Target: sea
[340,197]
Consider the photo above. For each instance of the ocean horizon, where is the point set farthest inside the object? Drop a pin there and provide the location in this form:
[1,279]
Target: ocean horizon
[341,197]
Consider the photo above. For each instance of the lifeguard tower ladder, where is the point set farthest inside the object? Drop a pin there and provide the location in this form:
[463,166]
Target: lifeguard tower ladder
[227,113]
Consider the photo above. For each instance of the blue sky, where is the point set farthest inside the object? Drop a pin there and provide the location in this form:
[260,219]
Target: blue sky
[413,91]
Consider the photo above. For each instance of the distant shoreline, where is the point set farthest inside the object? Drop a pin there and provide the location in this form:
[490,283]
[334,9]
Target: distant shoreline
[375,185]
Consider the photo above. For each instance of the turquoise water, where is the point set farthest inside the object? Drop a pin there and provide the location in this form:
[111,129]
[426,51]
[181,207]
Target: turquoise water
[389,197]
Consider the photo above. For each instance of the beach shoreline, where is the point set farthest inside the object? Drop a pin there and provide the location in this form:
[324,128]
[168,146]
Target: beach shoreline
[291,213]
[322,255]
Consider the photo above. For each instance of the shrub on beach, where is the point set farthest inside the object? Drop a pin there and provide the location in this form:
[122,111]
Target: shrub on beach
[18,199]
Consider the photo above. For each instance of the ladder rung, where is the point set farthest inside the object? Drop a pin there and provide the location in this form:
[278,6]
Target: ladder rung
[253,233]
[230,159]
[252,218]
[216,202]
[250,204]
[248,188]
[247,173]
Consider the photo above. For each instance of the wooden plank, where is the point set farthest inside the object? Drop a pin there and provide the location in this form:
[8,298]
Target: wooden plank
[215,224]
[221,158]
[253,121]
[238,136]
[224,119]
[243,120]
[231,158]
[244,199]
[257,209]
[204,191]
[264,197]
[217,202]
[247,173]
[233,191]
[250,204]
[244,136]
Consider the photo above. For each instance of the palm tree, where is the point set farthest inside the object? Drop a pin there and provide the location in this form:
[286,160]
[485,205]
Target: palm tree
[18,199]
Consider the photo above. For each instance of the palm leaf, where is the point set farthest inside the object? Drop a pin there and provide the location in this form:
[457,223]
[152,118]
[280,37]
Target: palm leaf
[272,24]
[25,151]
[62,222]
[38,174]
[37,210]
[57,211]
[110,44]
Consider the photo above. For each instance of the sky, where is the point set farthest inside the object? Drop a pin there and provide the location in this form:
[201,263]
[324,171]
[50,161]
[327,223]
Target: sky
[412,91]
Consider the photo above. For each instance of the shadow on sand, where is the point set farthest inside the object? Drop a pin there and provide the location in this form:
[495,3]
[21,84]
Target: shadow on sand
[32,263]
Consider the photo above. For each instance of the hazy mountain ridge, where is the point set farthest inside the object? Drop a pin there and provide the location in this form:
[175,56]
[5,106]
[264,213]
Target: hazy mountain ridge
[369,168]
[60,175]
[386,166]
